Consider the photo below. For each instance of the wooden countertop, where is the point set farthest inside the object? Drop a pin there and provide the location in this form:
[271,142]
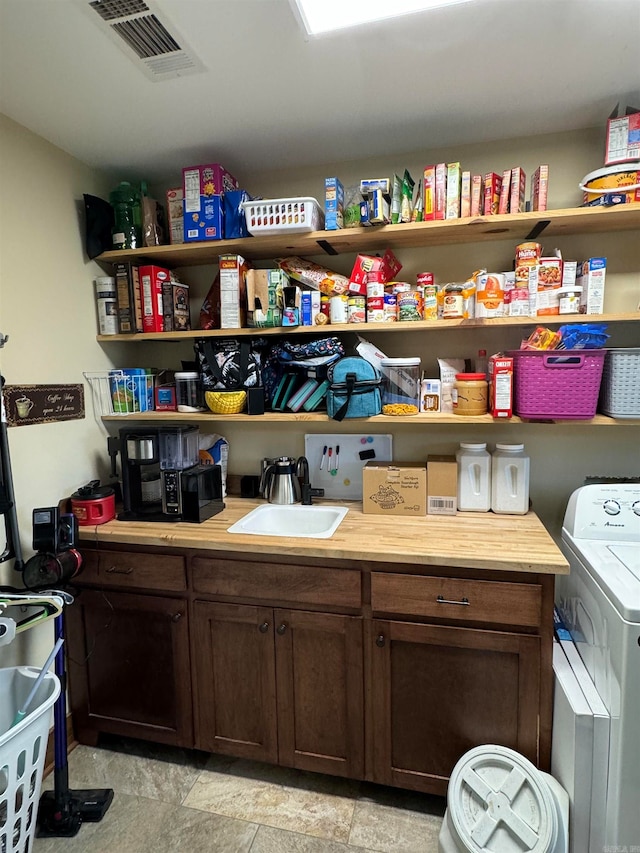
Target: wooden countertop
[473,540]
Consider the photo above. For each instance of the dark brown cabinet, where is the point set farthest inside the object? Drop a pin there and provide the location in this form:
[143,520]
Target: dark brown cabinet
[280,685]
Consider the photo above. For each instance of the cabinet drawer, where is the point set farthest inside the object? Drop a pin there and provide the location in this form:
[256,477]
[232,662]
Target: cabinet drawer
[294,584]
[131,570]
[457,599]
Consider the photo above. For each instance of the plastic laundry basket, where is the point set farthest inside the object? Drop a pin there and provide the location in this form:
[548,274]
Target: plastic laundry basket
[22,753]
[620,390]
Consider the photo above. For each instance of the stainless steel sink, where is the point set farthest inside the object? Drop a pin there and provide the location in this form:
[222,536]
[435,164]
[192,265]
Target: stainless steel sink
[311,522]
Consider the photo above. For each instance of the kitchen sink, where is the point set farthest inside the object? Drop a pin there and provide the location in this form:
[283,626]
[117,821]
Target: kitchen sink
[311,522]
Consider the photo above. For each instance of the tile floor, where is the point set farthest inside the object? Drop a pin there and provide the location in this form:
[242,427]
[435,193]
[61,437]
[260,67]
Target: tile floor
[170,800]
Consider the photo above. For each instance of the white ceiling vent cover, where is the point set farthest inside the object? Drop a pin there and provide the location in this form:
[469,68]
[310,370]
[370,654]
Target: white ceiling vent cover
[145,35]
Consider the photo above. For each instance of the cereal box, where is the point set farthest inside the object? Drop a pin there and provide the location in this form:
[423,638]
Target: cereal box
[492,187]
[453,191]
[518,190]
[539,188]
[441,190]
[175,215]
[623,139]
[210,179]
[175,306]
[477,195]
[505,190]
[429,178]
[233,291]
[333,204]
[465,195]
[204,223]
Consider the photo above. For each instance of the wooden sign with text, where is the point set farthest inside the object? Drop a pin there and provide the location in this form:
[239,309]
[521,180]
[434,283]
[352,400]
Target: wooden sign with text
[42,404]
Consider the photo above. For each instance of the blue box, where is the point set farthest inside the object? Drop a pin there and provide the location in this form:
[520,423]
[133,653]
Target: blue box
[333,204]
[309,306]
[207,222]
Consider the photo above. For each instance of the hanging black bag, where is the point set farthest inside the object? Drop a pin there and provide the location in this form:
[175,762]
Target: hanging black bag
[228,364]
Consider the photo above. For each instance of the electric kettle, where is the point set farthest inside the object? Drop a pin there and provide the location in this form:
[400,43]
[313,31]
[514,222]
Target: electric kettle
[280,483]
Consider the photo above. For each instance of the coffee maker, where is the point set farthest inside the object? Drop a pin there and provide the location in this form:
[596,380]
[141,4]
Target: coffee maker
[162,478]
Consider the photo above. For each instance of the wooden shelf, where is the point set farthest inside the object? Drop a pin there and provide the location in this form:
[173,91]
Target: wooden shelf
[387,421]
[513,226]
[370,328]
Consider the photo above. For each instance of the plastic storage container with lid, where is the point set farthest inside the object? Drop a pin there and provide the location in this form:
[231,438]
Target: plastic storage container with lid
[470,394]
[474,478]
[510,479]
[189,393]
[400,386]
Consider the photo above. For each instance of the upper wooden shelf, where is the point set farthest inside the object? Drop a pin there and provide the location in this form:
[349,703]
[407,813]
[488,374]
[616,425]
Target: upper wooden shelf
[513,226]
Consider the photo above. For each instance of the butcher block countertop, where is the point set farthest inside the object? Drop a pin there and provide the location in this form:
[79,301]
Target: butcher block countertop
[518,543]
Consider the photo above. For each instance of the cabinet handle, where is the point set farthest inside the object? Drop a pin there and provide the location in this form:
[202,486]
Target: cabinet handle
[441,600]
[113,570]
[263,628]
[281,628]
[380,640]
[176,617]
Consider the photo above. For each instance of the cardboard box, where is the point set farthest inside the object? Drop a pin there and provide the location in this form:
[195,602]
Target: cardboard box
[129,298]
[477,195]
[429,207]
[206,222]
[309,306]
[264,297]
[175,307]
[518,190]
[175,215]
[492,187]
[465,195]
[394,488]
[453,190]
[209,179]
[442,485]
[540,188]
[505,192]
[591,278]
[151,281]
[441,191]
[233,291]
[333,204]
[430,391]
[500,370]
[623,138]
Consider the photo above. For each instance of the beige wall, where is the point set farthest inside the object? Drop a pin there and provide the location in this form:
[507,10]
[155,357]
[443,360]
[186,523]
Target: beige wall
[47,309]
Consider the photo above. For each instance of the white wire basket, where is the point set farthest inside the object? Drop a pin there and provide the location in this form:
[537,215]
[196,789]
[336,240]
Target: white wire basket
[620,389]
[283,216]
[22,752]
[121,392]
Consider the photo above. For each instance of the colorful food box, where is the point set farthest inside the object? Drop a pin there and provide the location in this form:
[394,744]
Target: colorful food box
[175,307]
[210,179]
[505,191]
[539,188]
[453,191]
[206,222]
[465,195]
[264,297]
[545,281]
[492,187]
[429,179]
[233,291]
[441,191]
[477,195]
[175,215]
[500,370]
[151,280]
[518,190]
[333,204]
[623,139]
[591,278]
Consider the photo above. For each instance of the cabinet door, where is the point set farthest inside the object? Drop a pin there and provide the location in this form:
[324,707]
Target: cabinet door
[235,677]
[129,669]
[320,692]
[436,692]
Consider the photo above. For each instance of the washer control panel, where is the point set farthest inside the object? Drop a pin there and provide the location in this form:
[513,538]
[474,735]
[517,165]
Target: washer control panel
[604,511]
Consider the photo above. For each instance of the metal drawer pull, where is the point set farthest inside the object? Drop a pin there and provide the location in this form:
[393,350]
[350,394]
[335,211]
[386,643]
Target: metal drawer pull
[380,641]
[281,628]
[263,628]
[176,617]
[113,570]
[441,600]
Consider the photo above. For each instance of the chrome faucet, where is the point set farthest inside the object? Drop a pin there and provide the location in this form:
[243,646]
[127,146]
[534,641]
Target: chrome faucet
[302,472]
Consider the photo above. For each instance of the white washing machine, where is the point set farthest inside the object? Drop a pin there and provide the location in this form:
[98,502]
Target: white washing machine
[599,602]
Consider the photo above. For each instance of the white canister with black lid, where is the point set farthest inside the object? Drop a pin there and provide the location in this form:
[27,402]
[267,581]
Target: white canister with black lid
[107,304]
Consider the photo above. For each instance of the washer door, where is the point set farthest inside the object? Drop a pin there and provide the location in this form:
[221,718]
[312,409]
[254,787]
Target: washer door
[499,802]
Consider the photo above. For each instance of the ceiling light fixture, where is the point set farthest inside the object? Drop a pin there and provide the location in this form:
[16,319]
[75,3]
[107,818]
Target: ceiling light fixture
[321,16]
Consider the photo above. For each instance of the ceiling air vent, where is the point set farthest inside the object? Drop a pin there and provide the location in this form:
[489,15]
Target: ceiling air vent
[145,35]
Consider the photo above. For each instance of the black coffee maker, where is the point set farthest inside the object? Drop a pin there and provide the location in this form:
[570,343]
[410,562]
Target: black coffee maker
[162,478]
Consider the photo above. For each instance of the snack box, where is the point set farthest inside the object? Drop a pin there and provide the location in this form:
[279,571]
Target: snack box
[545,280]
[441,191]
[518,190]
[500,371]
[430,395]
[453,191]
[394,488]
[264,297]
[205,223]
[175,215]
[233,291]
[333,204]
[369,268]
[127,277]
[539,188]
[309,306]
[151,280]
[623,139]
[175,307]
[477,195]
[442,485]
[429,183]
[492,187]
[591,278]
[209,179]
[505,191]
[465,195]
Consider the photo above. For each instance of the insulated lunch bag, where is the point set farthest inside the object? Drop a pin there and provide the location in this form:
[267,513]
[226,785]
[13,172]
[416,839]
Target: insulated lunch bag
[354,391]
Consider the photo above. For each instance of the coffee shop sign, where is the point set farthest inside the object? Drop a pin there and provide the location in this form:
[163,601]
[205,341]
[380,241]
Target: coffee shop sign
[41,404]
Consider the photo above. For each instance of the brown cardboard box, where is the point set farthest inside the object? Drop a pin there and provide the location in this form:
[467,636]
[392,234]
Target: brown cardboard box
[442,485]
[394,488]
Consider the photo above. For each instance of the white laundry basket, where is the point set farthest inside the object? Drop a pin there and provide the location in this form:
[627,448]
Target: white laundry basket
[498,802]
[22,753]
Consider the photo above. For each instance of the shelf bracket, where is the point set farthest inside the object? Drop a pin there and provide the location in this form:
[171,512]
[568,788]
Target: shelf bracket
[327,247]
[537,229]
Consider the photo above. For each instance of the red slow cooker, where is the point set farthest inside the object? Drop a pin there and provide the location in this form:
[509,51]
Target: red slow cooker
[93,504]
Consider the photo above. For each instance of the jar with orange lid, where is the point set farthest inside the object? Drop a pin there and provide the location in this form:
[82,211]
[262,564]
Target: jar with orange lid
[470,394]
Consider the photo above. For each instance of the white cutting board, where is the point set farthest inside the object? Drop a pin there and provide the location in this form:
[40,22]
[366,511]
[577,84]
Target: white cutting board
[355,452]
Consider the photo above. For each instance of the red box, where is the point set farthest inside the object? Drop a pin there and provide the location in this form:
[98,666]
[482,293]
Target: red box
[429,177]
[539,188]
[441,191]
[477,195]
[505,192]
[368,268]
[500,370]
[151,281]
[518,190]
[492,186]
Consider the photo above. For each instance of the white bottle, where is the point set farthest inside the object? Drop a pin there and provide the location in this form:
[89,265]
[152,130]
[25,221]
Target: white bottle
[510,479]
[474,478]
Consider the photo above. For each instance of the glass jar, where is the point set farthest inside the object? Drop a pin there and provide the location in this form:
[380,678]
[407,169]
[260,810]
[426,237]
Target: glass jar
[400,386]
[452,301]
[470,394]
[189,393]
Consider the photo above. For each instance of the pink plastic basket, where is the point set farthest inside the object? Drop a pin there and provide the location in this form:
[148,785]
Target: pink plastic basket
[557,383]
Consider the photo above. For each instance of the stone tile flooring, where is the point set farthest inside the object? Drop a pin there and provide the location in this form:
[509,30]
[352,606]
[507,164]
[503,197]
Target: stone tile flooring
[170,800]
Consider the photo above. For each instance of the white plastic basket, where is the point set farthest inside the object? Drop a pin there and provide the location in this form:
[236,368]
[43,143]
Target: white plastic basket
[121,392]
[620,389]
[283,216]
[22,753]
